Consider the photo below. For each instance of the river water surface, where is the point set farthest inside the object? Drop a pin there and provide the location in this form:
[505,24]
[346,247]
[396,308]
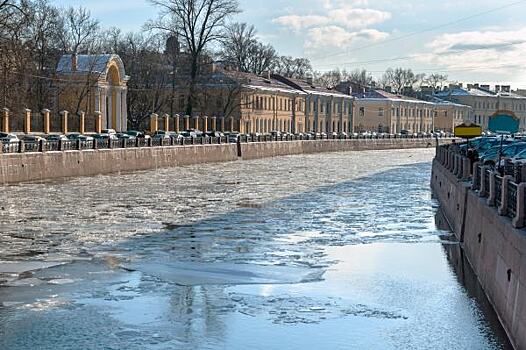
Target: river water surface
[327,251]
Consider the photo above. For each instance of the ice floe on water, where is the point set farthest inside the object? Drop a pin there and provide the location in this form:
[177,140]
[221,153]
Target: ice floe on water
[194,274]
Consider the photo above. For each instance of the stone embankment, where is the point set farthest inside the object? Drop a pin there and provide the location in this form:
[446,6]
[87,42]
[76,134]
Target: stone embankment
[39,166]
[486,211]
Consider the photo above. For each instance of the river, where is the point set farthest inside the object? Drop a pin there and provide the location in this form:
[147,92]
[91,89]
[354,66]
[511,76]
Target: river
[326,251]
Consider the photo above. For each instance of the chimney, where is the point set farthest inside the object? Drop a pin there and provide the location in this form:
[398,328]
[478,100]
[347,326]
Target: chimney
[476,86]
[310,81]
[388,89]
[74,62]
[266,74]
[497,88]
[506,88]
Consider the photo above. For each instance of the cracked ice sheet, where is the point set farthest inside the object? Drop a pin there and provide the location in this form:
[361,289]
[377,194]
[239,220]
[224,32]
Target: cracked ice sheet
[193,274]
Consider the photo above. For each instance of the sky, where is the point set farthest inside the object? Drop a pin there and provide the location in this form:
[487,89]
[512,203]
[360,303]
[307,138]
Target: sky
[480,41]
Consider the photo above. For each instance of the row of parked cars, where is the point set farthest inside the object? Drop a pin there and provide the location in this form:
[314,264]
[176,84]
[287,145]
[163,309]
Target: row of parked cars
[496,150]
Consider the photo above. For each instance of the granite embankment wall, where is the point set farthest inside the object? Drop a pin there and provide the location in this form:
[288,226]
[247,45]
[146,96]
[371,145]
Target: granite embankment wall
[24,167]
[273,149]
[495,250]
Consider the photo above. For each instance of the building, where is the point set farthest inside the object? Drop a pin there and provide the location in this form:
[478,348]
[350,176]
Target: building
[381,111]
[326,110]
[93,84]
[246,102]
[485,102]
[448,114]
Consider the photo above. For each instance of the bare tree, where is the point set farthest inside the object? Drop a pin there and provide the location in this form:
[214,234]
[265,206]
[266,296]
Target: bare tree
[296,68]
[199,23]
[399,78]
[80,30]
[238,44]
[436,80]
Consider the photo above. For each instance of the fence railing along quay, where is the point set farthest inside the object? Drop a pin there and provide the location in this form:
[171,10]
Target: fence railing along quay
[503,188]
[78,145]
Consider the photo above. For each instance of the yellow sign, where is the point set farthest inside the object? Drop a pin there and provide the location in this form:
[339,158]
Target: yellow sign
[468,131]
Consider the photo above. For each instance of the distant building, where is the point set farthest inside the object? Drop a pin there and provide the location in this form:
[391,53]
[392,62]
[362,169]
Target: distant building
[327,110]
[448,114]
[381,111]
[246,102]
[94,83]
[486,102]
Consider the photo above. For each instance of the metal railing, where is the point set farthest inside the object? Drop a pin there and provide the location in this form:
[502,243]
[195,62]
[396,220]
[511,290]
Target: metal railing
[511,202]
[78,145]
[509,198]
[498,191]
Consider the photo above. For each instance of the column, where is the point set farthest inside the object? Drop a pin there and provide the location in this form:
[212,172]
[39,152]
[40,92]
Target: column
[124,109]
[118,102]
[196,122]
[205,123]
[187,122]
[5,120]
[97,99]
[166,122]
[154,123]
[46,126]
[231,124]
[27,121]
[176,123]
[64,115]
[98,122]
[214,124]
[222,124]
[104,108]
[82,121]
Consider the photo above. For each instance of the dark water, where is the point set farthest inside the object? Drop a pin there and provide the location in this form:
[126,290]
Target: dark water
[336,251]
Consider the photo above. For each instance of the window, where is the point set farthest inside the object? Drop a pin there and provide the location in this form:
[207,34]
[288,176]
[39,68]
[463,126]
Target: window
[380,112]
[362,111]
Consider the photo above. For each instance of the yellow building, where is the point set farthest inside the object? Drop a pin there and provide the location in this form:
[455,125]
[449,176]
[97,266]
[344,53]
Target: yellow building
[94,84]
[448,115]
[485,101]
[381,111]
[247,103]
[326,110]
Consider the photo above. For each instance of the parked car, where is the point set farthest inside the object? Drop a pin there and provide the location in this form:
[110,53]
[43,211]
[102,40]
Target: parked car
[232,137]
[161,135]
[56,137]
[8,137]
[32,138]
[491,157]
[214,134]
[137,134]
[108,131]
[103,136]
[81,137]
[124,136]
[188,134]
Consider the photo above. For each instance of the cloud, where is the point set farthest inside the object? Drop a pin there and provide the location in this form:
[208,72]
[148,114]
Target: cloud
[335,36]
[357,17]
[300,22]
[341,24]
[347,16]
[491,51]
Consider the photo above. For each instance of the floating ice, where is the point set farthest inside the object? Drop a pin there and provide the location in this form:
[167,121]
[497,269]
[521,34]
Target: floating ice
[191,274]
[25,266]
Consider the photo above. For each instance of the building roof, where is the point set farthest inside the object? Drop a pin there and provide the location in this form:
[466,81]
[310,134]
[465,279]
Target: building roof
[441,102]
[251,81]
[309,87]
[386,96]
[90,64]
[476,92]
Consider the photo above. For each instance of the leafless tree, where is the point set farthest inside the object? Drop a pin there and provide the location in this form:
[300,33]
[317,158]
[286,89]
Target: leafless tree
[399,78]
[296,68]
[80,30]
[437,80]
[198,23]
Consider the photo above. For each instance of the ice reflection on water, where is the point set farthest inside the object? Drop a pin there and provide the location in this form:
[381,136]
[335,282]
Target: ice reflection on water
[364,219]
